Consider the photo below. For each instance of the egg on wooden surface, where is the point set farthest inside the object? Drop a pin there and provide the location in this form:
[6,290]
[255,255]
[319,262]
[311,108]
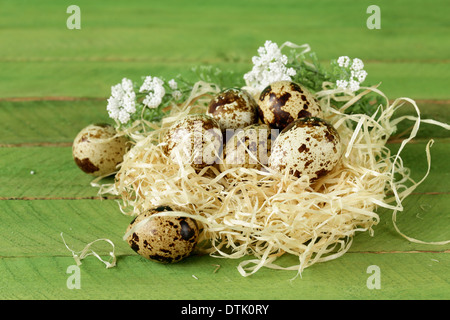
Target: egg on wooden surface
[195,139]
[307,146]
[165,239]
[282,102]
[233,109]
[248,148]
[97,150]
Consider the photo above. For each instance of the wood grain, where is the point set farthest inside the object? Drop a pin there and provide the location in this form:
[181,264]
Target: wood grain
[55,81]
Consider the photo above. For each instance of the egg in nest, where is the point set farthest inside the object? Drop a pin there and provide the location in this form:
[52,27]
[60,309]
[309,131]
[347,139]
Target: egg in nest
[165,239]
[195,139]
[282,102]
[248,148]
[233,109]
[307,146]
[97,150]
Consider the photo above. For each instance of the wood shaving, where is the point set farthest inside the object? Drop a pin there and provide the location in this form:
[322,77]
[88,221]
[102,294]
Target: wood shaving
[262,214]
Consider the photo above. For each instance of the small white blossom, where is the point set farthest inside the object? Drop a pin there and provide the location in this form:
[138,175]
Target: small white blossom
[122,102]
[176,94]
[173,84]
[155,91]
[152,83]
[152,101]
[343,61]
[342,84]
[355,75]
[357,64]
[361,75]
[353,85]
[124,116]
[268,67]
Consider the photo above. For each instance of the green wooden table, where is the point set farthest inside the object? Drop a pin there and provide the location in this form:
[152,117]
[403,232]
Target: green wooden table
[54,81]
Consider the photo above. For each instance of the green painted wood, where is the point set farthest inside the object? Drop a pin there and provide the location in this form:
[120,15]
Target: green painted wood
[416,80]
[402,276]
[189,31]
[425,218]
[41,57]
[50,121]
[33,228]
[56,174]
[34,263]
[43,172]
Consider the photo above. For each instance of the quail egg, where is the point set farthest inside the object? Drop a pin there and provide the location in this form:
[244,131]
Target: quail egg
[233,109]
[282,102]
[307,146]
[97,150]
[248,148]
[164,239]
[195,140]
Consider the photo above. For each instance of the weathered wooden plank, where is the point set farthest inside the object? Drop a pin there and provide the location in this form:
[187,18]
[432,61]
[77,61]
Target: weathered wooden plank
[140,38]
[48,121]
[42,172]
[33,228]
[401,276]
[414,157]
[425,218]
[59,121]
[416,80]
[140,29]
[40,57]
[56,174]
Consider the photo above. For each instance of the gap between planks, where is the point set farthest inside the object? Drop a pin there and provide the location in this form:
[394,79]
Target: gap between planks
[68,98]
[394,140]
[62,198]
[399,251]
[188,60]
[36,144]
[119,198]
[348,252]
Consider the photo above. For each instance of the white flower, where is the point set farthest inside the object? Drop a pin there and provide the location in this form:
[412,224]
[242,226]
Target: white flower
[176,94]
[360,75]
[124,116]
[152,101]
[343,61]
[122,102]
[151,83]
[353,85]
[357,64]
[173,84]
[155,91]
[268,67]
[342,84]
[354,75]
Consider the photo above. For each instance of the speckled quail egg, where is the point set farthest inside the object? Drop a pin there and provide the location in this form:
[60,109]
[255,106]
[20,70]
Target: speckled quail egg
[195,139]
[234,109]
[97,150]
[307,146]
[164,239]
[248,148]
[282,102]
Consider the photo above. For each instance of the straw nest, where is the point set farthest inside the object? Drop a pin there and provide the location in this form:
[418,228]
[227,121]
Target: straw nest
[261,214]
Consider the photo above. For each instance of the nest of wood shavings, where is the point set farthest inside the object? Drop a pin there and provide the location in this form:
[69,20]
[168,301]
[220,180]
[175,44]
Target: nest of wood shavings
[261,214]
